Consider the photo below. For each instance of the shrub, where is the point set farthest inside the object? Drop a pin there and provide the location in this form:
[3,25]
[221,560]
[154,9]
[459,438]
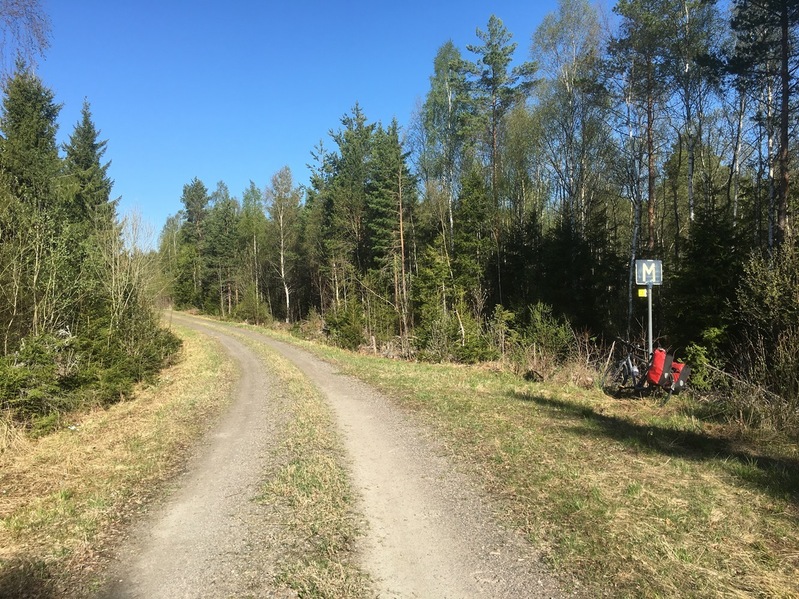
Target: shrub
[764,341]
[29,379]
[345,327]
[55,373]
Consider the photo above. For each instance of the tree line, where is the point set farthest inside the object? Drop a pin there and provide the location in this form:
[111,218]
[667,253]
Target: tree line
[76,324]
[518,198]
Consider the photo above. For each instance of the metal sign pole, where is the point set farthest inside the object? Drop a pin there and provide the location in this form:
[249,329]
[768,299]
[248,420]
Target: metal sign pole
[649,327]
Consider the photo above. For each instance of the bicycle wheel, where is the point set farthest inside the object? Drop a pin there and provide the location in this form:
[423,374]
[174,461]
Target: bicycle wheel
[616,377]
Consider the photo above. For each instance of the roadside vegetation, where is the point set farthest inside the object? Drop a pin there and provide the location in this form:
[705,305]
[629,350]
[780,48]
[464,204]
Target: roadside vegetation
[64,497]
[77,324]
[630,497]
[539,166]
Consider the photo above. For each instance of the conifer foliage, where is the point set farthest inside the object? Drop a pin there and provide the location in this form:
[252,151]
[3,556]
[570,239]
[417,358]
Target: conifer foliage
[529,185]
[76,324]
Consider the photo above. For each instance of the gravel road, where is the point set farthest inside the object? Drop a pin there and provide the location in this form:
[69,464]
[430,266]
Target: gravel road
[431,531]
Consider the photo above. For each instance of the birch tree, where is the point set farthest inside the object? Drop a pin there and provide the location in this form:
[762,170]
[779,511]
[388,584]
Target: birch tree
[283,206]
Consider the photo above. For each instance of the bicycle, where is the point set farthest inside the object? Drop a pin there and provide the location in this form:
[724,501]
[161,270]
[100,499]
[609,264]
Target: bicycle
[634,372]
[627,372]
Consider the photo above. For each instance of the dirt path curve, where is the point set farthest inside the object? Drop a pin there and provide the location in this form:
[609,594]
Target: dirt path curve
[207,540]
[431,532]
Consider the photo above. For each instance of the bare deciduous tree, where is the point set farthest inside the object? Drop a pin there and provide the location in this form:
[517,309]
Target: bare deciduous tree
[24,32]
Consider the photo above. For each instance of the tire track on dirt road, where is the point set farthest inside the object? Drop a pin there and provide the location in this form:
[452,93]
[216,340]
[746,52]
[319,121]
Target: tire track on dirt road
[431,531]
[210,538]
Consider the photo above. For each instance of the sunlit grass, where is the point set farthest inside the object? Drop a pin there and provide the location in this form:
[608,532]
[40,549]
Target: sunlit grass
[62,494]
[311,488]
[628,497]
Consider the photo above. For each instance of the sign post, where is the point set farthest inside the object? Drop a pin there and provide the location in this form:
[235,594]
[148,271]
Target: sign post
[649,319]
[649,273]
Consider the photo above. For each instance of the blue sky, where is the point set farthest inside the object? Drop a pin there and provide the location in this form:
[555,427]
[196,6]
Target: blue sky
[235,90]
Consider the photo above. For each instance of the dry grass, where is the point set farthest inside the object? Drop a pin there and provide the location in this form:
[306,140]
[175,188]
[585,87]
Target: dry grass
[630,498]
[63,496]
[310,487]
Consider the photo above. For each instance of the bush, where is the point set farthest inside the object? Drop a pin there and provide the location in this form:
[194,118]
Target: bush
[552,336]
[55,373]
[29,379]
[764,341]
[311,328]
[345,327]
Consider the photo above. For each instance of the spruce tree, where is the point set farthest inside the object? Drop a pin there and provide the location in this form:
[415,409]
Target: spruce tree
[83,162]
[29,158]
[31,228]
[192,264]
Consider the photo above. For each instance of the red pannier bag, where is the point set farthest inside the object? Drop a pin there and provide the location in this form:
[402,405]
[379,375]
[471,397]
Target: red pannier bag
[655,372]
[676,370]
[679,374]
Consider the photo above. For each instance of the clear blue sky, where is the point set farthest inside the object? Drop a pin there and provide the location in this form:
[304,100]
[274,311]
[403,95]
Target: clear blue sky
[235,90]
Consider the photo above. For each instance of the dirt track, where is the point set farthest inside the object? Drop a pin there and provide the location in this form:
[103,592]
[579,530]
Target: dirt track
[431,532]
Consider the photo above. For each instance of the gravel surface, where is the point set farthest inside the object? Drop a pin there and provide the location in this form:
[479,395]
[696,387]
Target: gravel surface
[208,539]
[431,530]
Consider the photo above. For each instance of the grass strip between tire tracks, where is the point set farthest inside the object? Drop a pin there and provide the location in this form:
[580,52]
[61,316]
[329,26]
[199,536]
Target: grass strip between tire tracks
[311,488]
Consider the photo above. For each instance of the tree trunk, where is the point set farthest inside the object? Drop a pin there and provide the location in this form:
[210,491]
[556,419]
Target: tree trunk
[783,231]
[735,166]
[403,303]
[675,196]
[650,150]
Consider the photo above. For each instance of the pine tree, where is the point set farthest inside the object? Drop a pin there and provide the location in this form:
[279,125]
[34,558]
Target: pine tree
[498,89]
[447,114]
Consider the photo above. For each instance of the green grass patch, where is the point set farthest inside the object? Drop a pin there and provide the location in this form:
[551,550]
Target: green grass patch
[631,498]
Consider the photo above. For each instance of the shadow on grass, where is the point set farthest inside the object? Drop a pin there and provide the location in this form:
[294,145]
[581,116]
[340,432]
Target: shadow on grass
[778,477]
[23,579]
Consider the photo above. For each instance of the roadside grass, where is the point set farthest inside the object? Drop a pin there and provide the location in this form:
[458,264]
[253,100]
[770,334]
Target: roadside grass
[628,497]
[64,496]
[310,488]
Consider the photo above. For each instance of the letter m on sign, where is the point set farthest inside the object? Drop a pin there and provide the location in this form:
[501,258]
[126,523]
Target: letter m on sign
[648,272]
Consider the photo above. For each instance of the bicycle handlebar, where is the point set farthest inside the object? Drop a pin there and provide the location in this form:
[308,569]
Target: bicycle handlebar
[629,345]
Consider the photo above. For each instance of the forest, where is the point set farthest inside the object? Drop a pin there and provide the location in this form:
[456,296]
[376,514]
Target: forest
[502,223]
[505,219]
[77,325]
